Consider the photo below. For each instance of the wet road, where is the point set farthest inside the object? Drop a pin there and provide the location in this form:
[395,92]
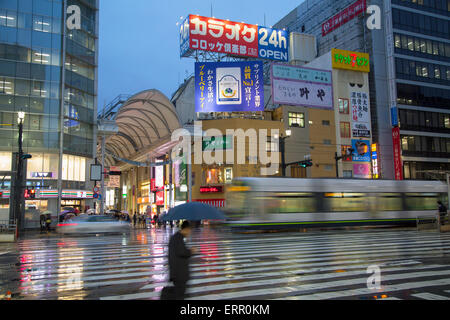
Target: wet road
[312,265]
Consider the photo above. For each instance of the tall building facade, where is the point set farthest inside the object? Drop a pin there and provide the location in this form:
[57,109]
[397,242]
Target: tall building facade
[410,70]
[49,72]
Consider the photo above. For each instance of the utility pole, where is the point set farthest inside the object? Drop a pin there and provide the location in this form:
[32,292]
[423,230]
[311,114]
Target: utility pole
[18,204]
[103,194]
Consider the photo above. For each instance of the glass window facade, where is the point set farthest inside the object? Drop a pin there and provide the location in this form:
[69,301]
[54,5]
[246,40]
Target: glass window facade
[31,73]
[424,121]
[422,71]
[420,23]
[420,47]
[420,146]
[426,96]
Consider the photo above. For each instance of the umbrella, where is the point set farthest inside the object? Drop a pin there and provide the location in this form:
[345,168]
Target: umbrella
[90,211]
[193,211]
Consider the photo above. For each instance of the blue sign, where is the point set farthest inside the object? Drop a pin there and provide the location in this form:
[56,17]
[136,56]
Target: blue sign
[362,150]
[394,116]
[229,86]
[184,37]
[273,44]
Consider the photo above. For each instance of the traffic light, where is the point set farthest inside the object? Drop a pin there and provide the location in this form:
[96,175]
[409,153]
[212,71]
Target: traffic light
[115,173]
[306,164]
[32,194]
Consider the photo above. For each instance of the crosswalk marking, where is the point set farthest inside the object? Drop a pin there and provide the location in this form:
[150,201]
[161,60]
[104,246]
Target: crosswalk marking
[429,296]
[293,266]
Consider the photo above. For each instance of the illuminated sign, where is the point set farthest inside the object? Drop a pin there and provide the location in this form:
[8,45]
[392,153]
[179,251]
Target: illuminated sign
[217,143]
[375,163]
[160,198]
[359,102]
[361,170]
[42,174]
[229,86]
[304,87]
[159,175]
[233,38]
[398,164]
[344,16]
[218,189]
[350,60]
[362,150]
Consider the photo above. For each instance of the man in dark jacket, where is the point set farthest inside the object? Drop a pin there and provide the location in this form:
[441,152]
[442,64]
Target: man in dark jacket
[179,260]
[442,211]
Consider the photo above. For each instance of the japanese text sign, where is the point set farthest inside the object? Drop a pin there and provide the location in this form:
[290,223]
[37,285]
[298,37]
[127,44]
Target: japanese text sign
[344,16]
[360,114]
[305,87]
[229,86]
[362,150]
[233,38]
[398,163]
[349,60]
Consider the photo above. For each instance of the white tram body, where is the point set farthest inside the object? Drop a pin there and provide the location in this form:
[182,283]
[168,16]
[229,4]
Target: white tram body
[298,203]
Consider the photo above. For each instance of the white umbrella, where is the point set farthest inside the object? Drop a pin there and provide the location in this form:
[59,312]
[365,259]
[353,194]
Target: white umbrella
[90,211]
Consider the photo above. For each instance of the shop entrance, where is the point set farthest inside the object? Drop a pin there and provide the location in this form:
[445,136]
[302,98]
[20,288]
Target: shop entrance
[76,204]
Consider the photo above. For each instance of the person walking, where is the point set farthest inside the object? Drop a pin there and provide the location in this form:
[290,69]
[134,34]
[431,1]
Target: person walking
[179,256]
[442,211]
[134,219]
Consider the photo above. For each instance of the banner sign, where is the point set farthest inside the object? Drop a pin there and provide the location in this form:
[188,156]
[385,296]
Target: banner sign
[394,116]
[350,60]
[360,114]
[361,171]
[344,16]
[233,38]
[375,163]
[229,86]
[398,164]
[159,176]
[159,198]
[286,72]
[362,150]
[301,88]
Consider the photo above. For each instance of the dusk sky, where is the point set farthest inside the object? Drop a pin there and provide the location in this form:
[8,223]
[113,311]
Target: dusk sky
[139,40]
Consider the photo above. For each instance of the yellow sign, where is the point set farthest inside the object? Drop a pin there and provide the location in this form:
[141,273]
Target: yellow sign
[349,60]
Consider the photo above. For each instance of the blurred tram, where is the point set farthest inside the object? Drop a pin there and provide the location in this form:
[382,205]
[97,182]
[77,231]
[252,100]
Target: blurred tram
[273,203]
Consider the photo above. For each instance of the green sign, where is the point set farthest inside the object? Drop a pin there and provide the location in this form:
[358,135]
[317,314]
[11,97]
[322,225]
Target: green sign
[215,143]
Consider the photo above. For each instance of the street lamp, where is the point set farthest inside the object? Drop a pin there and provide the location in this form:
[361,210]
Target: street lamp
[288,133]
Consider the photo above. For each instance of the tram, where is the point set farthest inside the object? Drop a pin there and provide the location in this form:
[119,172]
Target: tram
[273,203]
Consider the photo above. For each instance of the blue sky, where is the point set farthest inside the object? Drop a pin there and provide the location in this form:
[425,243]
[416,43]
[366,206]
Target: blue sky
[139,40]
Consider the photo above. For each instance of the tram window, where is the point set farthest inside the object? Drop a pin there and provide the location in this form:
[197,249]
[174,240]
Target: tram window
[345,202]
[389,202]
[236,204]
[421,201]
[288,203]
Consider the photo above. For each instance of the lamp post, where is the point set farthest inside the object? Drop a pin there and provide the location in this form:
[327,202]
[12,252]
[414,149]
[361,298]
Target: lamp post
[19,187]
[282,150]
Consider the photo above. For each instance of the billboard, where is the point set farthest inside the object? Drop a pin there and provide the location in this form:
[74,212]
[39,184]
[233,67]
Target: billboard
[362,150]
[229,86]
[233,38]
[398,164]
[301,86]
[350,60]
[361,126]
[344,16]
[159,175]
[361,170]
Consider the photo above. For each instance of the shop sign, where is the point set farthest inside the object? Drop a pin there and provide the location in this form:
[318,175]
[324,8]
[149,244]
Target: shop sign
[217,143]
[362,150]
[218,189]
[394,116]
[232,38]
[295,88]
[42,174]
[361,126]
[159,176]
[398,163]
[229,86]
[344,16]
[159,198]
[350,60]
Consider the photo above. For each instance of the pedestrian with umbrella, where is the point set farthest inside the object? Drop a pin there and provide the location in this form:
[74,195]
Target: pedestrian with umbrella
[179,256]
[193,211]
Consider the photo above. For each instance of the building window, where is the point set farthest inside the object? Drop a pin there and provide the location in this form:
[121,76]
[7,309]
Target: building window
[327,142]
[345,156]
[328,167]
[297,119]
[326,123]
[345,129]
[348,174]
[343,106]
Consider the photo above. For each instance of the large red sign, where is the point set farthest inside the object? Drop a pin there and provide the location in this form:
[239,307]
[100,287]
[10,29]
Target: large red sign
[160,198]
[398,164]
[344,16]
[223,36]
